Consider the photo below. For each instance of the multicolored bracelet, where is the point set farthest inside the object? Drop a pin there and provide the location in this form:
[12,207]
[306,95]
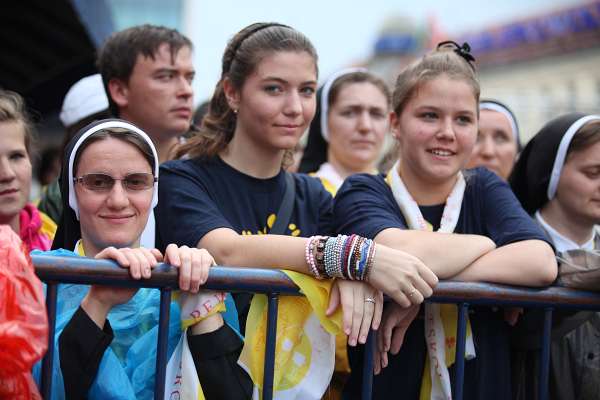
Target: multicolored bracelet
[320,254]
[347,257]
[309,256]
[370,261]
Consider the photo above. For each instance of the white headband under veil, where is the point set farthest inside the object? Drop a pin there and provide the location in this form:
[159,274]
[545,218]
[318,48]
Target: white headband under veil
[325,97]
[109,125]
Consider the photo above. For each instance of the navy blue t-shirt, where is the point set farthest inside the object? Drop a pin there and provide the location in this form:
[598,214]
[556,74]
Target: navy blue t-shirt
[366,206]
[197,196]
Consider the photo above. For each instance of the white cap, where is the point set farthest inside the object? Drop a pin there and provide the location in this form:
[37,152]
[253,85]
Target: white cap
[86,97]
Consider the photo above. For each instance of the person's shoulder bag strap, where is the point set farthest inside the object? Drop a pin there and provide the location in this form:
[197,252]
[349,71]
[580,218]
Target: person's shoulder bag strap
[287,206]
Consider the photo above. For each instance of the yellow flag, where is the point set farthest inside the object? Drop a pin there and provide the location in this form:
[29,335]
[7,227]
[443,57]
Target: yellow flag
[305,345]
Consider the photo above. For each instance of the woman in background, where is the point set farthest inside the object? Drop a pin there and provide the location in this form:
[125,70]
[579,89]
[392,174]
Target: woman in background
[348,132]
[16,136]
[498,140]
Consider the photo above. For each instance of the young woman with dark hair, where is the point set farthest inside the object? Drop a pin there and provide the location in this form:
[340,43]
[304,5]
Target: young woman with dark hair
[229,193]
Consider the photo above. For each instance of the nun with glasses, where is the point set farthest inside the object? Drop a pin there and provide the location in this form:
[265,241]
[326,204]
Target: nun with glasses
[107,335]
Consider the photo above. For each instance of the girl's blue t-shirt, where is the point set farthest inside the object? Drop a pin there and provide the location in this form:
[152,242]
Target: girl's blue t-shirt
[366,206]
[197,196]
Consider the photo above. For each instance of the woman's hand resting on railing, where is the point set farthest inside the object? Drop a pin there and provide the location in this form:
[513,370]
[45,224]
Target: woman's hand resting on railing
[401,276]
[193,265]
[101,299]
[398,274]
[361,308]
[394,324]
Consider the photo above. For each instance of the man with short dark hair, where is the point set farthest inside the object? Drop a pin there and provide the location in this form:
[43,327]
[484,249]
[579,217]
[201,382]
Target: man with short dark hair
[147,72]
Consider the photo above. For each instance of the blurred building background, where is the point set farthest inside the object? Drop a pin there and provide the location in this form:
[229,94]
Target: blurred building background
[541,66]
[48,46]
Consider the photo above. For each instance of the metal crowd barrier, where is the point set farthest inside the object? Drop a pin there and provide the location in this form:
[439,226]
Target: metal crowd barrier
[273,283]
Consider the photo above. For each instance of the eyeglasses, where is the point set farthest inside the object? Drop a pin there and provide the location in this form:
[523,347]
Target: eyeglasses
[104,183]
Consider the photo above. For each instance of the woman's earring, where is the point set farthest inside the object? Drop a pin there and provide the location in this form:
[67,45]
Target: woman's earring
[235,110]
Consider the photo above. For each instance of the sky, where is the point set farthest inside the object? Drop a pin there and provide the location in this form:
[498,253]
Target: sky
[343,31]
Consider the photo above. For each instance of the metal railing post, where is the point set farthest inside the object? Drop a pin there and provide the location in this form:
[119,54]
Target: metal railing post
[459,359]
[47,363]
[162,343]
[367,374]
[270,345]
[545,355]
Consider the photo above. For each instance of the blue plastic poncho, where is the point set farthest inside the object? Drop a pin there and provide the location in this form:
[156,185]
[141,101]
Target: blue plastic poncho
[128,367]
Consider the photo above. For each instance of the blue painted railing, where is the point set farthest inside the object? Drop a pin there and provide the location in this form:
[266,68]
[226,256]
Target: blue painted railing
[273,283]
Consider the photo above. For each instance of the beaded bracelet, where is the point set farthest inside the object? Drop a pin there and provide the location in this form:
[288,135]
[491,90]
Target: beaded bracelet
[329,255]
[352,258]
[346,254]
[357,257]
[348,268]
[332,263]
[370,262]
[339,248]
[320,254]
[330,259]
[309,255]
[348,257]
[364,253]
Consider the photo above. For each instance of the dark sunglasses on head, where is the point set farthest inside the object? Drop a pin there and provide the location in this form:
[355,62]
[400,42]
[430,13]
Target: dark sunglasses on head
[103,182]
